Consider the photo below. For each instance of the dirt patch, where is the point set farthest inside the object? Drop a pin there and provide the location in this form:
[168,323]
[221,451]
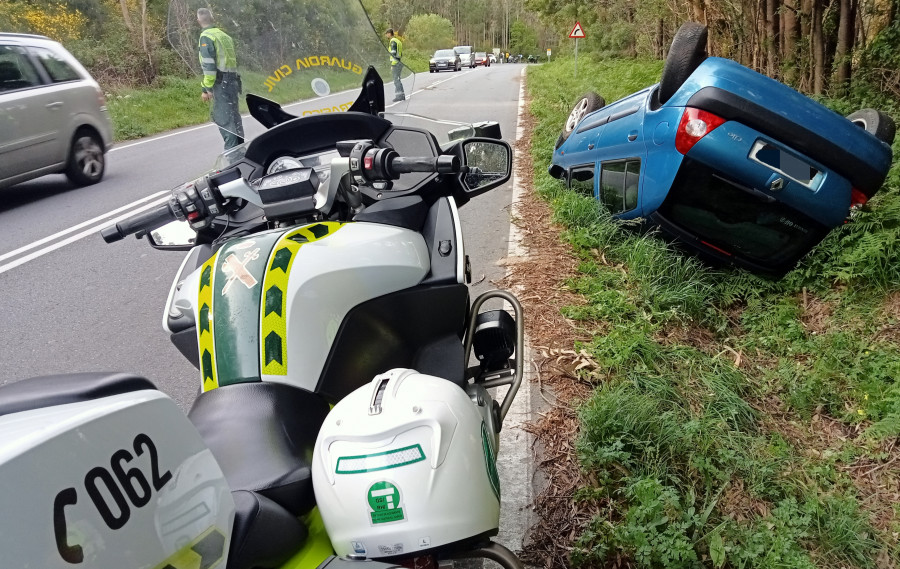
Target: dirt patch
[816,315]
[539,278]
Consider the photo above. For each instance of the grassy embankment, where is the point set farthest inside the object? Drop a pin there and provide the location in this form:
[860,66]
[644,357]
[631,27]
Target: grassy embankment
[735,421]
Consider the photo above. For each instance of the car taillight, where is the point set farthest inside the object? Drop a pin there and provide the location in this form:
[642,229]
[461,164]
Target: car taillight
[695,124]
[857,198]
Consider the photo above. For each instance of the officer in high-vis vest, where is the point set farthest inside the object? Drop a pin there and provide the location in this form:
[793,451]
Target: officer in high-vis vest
[221,81]
[396,48]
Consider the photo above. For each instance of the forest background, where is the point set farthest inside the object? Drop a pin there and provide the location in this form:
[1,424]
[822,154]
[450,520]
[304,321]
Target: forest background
[816,46]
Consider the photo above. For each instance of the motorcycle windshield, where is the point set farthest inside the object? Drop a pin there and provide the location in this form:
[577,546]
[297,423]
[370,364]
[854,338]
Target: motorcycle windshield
[310,56]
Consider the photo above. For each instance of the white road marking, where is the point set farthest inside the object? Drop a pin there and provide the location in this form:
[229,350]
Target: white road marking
[515,441]
[92,231]
[79,226]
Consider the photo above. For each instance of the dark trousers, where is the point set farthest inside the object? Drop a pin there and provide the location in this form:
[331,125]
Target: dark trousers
[398,85]
[226,111]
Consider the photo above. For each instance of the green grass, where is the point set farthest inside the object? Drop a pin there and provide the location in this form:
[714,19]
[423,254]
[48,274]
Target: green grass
[697,461]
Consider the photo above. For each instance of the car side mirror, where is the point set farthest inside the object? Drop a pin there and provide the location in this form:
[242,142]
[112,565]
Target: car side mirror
[174,236]
[488,164]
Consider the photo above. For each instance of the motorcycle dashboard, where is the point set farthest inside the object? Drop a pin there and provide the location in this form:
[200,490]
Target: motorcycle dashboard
[311,142]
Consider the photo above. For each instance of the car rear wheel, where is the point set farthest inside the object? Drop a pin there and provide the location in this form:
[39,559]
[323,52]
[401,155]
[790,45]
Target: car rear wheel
[876,123]
[587,103]
[86,159]
[686,54]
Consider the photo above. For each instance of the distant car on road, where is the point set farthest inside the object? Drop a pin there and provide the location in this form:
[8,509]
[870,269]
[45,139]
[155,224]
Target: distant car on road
[492,57]
[444,60]
[53,116]
[481,58]
[731,163]
[466,55]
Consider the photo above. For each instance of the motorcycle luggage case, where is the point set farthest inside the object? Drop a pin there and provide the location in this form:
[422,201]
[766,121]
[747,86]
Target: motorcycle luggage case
[104,471]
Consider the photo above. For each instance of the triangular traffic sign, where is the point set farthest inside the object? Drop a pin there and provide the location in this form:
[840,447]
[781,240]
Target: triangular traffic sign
[577,32]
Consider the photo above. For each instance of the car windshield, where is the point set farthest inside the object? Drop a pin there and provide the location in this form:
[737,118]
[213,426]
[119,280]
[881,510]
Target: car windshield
[480,54]
[738,221]
[444,53]
[462,49]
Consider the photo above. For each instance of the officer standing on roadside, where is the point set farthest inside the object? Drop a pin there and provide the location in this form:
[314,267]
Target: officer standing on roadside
[396,48]
[221,81]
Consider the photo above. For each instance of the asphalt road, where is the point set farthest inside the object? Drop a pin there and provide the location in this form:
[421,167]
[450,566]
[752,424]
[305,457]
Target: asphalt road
[70,302]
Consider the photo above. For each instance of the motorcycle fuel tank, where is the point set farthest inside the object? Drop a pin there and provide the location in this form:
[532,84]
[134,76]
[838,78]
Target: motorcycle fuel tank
[268,307]
[119,481]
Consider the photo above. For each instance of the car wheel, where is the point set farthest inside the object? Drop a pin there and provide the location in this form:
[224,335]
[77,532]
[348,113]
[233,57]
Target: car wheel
[86,159]
[587,103]
[877,123]
[687,52]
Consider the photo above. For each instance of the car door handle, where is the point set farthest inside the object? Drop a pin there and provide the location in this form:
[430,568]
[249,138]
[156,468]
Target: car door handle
[632,136]
[54,106]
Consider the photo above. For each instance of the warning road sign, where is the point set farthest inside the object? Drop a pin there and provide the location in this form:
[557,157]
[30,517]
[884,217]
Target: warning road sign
[577,32]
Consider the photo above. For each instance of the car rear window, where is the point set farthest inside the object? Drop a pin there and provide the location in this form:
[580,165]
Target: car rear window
[57,68]
[737,220]
[16,71]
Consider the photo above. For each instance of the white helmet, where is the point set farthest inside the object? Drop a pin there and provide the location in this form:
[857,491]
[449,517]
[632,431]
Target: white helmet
[407,464]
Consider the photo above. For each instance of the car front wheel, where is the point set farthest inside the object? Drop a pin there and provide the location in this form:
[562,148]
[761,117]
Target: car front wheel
[876,123]
[86,159]
[587,103]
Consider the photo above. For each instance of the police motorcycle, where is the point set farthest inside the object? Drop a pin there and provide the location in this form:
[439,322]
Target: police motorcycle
[323,299]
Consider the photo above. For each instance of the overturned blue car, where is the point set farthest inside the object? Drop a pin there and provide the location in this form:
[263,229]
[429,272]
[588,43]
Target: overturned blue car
[733,164]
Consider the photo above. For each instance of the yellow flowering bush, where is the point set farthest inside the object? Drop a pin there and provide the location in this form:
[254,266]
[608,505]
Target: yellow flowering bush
[53,20]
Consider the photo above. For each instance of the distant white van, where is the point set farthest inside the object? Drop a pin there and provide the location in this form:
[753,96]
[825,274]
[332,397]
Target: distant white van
[466,55]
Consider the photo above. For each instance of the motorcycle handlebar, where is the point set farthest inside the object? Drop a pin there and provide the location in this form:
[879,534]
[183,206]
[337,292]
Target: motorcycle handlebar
[444,164]
[144,221]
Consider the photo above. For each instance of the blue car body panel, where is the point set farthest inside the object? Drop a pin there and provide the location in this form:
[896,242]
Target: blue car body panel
[775,144]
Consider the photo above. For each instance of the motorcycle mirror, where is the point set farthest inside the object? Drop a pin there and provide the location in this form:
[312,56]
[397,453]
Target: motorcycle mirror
[488,165]
[174,236]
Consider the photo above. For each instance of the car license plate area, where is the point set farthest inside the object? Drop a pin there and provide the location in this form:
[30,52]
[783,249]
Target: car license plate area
[785,163]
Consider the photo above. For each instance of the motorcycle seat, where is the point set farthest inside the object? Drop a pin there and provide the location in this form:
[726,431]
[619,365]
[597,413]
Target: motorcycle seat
[53,390]
[262,435]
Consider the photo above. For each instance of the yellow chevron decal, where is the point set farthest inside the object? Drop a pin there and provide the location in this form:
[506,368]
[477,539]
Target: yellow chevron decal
[205,336]
[273,324]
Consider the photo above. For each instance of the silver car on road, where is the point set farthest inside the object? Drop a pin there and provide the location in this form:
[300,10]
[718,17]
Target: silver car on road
[53,115]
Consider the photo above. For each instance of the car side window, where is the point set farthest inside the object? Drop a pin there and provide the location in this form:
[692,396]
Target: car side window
[16,71]
[57,68]
[581,179]
[619,185]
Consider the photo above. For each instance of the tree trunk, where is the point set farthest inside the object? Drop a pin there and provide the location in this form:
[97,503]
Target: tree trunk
[771,38]
[698,10]
[660,47]
[151,66]
[125,14]
[806,62]
[791,26]
[818,47]
[844,48]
